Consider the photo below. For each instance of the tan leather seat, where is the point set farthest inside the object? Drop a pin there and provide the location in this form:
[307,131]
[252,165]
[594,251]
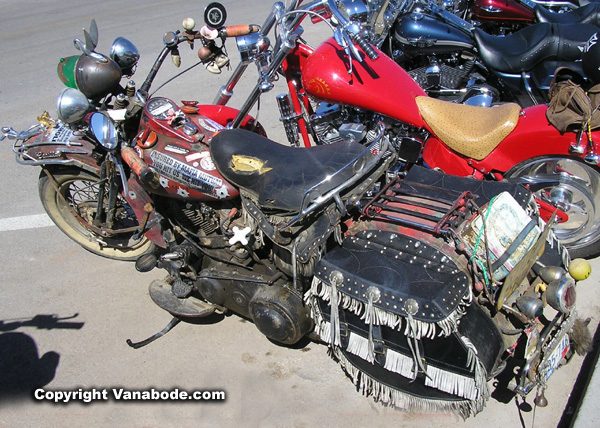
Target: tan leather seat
[472,131]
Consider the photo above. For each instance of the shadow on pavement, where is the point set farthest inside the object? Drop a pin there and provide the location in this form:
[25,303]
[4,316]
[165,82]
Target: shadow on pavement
[583,380]
[21,368]
[41,322]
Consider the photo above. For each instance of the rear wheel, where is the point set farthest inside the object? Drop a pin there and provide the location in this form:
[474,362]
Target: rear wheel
[574,187]
[72,206]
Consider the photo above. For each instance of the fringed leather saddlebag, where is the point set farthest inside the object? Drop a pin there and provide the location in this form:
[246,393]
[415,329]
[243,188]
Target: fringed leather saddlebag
[392,308]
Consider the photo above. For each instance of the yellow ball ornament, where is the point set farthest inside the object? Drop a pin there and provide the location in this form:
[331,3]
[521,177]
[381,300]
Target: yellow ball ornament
[580,269]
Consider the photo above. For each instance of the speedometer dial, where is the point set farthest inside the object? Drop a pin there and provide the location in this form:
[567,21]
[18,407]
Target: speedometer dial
[161,108]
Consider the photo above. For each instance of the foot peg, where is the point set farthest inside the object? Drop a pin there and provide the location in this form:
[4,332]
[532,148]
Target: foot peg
[162,295]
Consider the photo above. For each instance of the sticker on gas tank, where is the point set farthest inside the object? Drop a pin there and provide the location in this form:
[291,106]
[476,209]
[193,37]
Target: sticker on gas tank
[176,149]
[185,174]
[205,163]
[210,125]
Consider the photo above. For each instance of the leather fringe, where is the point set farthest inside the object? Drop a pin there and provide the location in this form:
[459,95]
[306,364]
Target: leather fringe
[399,399]
[416,329]
[475,390]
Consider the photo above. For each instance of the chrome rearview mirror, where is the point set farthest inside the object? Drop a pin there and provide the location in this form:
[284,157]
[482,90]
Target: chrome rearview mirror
[104,130]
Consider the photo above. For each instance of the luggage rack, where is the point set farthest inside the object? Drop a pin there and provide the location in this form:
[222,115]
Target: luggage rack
[421,206]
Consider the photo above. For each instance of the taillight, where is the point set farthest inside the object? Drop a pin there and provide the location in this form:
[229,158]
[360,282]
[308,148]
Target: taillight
[561,295]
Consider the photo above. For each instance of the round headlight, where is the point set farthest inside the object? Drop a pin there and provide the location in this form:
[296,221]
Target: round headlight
[125,54]
[72,105]
[561,295]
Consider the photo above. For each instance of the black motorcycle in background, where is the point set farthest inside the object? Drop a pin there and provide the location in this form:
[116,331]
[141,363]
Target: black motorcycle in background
[455,60]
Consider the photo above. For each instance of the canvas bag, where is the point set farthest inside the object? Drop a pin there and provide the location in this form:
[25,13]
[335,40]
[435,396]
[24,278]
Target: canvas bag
[570,107]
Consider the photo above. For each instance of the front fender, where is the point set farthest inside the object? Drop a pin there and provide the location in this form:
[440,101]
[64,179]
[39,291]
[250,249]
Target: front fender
[58,146]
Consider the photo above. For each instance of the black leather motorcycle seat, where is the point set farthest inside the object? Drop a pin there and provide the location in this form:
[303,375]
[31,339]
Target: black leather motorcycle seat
[444,187]
[522,50]
[277,176]
[588,14]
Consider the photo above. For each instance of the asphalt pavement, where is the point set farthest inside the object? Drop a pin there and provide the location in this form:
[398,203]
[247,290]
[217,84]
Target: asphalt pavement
[65,314]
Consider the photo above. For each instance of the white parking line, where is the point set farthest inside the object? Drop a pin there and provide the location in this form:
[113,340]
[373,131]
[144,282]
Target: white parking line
[25,222]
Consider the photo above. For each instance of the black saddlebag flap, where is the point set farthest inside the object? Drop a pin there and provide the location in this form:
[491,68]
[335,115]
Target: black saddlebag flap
[436,185]
[387,277]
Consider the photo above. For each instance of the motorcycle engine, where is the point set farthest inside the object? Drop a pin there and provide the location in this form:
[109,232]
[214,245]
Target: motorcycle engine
[276,309]
[198,217]
[333,123]
[447,81]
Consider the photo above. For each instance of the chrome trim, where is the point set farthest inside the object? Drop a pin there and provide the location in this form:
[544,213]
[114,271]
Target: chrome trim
[549,3]
[548,348]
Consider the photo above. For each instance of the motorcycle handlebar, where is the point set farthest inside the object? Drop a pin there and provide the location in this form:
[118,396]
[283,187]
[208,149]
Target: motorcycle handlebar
[137,165]
[365,46]
[238,30]
[353,33]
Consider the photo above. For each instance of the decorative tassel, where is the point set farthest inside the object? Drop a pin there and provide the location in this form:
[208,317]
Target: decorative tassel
[373,295]
[475,390]
[420,329]
[475,365]
[336,279]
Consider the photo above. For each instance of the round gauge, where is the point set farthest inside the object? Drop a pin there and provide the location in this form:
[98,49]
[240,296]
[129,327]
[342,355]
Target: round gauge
[161,108]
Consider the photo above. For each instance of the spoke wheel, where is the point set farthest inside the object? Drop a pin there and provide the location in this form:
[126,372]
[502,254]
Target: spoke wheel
[78,193]
[573,187]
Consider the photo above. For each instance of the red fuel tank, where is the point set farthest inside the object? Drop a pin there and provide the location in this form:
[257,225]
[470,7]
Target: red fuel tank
[502,10]
[175,145]
[379,85]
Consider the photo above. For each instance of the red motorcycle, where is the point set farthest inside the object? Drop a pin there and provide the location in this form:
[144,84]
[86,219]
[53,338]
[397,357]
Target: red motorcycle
[425,285]
[331,99]
[506,16]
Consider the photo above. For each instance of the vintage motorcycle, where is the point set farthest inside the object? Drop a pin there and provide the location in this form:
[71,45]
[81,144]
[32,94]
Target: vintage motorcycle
[424,285]
[455,60]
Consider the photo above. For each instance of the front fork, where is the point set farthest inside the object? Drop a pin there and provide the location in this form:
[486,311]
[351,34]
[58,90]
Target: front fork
[106,213]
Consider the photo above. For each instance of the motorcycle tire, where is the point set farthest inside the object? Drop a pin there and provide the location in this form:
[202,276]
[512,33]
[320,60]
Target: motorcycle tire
[577,194]
[79,190]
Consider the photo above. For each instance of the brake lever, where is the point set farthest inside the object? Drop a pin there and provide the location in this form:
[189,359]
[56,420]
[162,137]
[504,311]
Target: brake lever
[343,39]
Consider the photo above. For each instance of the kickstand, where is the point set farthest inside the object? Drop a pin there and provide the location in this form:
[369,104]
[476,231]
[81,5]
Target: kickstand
[152,338]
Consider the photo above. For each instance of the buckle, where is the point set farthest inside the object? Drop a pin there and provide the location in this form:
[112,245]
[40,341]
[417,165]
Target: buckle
[381,350]
[344,330]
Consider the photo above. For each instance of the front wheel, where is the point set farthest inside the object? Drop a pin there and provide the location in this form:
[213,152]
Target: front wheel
[574,187]
[72,201]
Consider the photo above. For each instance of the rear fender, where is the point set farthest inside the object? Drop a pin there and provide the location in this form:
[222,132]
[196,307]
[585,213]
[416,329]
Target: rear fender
[533,136]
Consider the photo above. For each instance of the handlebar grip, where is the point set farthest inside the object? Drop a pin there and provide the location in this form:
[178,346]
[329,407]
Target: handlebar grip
[238,30]
[365,46]
[137,165]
